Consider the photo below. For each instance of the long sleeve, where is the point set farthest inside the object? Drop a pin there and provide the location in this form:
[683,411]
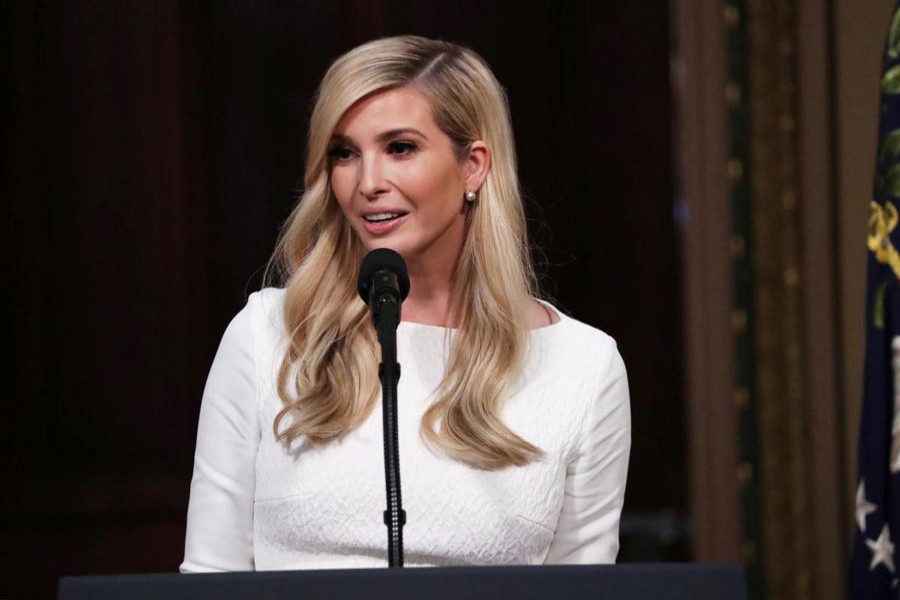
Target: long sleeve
[588,527]
[220,513]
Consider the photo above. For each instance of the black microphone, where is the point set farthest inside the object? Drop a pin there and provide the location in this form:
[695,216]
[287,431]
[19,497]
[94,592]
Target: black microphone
[383,284]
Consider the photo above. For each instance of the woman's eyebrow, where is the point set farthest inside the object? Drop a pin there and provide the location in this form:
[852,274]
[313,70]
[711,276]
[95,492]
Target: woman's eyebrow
[341,138]
[393,133]
[382,137]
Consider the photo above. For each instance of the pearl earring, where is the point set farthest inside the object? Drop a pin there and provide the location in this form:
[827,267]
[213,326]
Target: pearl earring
[471,196]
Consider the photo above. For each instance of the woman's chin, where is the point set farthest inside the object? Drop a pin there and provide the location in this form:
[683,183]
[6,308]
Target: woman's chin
[395,245]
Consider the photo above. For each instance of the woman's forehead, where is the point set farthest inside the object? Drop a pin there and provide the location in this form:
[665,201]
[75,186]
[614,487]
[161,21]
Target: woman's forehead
[395,108]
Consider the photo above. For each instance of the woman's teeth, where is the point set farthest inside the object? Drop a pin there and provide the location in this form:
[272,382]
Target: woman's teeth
[381,217]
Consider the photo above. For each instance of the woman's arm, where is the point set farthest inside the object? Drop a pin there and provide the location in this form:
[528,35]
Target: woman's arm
[588,526]
[220,513]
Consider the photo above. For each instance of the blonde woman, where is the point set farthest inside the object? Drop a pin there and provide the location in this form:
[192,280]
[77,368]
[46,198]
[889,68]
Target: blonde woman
[514,425]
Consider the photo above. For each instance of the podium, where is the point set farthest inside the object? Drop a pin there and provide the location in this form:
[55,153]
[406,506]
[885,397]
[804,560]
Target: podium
[669,581]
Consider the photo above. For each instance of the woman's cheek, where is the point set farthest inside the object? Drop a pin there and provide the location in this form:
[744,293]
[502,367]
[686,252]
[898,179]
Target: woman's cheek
[340,187]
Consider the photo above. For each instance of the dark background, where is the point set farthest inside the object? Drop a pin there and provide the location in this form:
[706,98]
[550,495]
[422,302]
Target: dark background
[157,149]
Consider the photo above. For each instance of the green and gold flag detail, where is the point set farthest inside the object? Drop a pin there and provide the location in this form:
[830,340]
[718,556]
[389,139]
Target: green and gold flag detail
[873,570]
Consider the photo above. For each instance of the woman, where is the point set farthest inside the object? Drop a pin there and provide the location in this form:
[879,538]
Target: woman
[514,419]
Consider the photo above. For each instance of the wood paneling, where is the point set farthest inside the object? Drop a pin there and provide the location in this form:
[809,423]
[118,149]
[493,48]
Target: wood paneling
[702,164]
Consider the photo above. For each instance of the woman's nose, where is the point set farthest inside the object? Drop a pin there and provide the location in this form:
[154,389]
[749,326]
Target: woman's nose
[372,180]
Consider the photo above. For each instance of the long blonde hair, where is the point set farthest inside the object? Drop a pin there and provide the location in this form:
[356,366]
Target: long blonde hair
[328,379]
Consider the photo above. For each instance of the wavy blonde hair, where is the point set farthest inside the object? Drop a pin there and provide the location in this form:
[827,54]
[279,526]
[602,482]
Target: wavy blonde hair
[328,378]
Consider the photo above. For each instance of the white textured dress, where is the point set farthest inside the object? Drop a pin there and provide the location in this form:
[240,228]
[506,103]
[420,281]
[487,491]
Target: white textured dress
[256,505]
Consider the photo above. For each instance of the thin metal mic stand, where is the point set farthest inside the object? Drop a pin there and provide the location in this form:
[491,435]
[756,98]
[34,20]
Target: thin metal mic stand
[383,284]
[388,311]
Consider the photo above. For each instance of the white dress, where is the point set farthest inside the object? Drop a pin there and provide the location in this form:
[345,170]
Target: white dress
[256,505]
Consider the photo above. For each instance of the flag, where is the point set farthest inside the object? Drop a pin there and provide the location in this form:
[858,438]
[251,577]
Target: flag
[874,567]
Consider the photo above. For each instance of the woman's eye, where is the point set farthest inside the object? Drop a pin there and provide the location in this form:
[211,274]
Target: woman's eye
[340,153]
[402,148]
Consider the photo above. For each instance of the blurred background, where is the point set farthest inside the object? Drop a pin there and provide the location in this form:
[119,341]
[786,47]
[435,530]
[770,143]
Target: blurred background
[697,177]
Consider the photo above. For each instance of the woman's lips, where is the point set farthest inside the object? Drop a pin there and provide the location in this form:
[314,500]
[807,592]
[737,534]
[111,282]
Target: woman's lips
[382,227]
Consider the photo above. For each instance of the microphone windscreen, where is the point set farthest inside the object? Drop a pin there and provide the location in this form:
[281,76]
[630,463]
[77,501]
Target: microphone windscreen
[382,259]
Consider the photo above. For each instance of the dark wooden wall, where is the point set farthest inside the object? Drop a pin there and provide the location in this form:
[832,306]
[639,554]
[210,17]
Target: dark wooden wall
[157,148]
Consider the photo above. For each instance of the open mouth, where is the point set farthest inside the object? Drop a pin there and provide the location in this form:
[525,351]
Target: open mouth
[386,217]
[384,223]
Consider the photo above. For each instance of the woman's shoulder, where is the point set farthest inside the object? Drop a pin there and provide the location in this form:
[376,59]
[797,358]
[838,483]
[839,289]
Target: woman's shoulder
[267,301]
[262,313]
[578,342]
[571,328]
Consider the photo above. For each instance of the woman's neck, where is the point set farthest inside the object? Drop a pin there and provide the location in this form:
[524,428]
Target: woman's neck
[430,295]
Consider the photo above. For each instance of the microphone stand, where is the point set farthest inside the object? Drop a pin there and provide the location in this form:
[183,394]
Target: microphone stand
[386,310]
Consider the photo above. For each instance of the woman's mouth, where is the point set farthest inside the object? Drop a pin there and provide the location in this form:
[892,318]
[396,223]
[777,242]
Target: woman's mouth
[383,222]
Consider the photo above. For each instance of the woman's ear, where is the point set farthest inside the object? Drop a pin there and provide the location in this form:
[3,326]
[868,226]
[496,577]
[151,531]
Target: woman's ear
[476,165]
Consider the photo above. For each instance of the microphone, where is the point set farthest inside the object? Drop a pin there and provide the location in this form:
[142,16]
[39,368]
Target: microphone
[383,284]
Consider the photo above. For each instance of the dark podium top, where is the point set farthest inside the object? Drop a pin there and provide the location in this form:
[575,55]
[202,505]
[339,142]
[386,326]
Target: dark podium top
[669,581]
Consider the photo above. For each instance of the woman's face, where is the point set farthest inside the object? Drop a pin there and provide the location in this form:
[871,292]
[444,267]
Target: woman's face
[397,179]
